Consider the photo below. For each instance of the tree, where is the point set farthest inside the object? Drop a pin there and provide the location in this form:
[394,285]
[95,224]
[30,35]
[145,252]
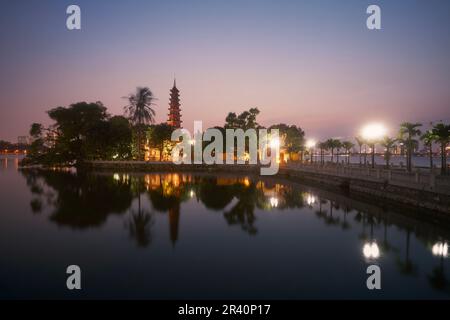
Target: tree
[408,131]
[428,137]
[322,146]
[245,120]
[442,136]
[388,144]
[37,147]
[333,144]
[140,112]
[79,131]
[293,137]
[158,135]
[360,141]
[118,139]
[348,145]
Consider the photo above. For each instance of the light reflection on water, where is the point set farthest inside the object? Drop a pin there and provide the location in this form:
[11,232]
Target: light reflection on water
[173,235]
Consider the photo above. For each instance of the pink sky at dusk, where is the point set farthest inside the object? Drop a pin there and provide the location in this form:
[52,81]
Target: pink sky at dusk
[328,76]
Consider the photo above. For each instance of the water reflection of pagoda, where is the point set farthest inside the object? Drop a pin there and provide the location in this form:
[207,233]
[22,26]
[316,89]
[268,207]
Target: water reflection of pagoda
[174,116]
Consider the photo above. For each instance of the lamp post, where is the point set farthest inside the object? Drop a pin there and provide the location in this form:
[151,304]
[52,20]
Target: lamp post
[372,133]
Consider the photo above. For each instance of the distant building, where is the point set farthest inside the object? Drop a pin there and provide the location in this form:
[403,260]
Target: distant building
[23,140]
[174,116]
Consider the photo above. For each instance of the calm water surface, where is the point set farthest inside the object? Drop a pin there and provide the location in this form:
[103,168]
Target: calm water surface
[201,236]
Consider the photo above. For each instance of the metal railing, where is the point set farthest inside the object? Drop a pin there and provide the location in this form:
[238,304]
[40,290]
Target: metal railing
[418,179]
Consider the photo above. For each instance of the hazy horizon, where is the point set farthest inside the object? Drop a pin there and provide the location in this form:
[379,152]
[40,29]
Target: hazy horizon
[309,63]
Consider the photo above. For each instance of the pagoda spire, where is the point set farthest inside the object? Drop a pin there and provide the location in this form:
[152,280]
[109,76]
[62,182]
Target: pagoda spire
[174,116]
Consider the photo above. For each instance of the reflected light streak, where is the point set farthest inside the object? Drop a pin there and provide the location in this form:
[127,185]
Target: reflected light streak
[371,250]
[440,249]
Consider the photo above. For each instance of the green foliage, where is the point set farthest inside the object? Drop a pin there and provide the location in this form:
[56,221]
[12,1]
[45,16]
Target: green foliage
[117,139]
[140,113]
[245,120]
[388,143]
[293,137]
[348,145]
[333,144]
[159,135]
[441,133]
[82,131]
[408,131]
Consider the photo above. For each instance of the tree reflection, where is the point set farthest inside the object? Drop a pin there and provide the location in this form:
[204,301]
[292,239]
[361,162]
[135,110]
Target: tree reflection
[139,226]
[243,212]
[140,222]
[84,200]
[215,196]
[407,266]
[437,278]
[78,201]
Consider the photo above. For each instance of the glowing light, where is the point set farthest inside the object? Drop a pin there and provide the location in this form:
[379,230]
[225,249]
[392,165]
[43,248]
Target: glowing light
[192,142]
[310,144]
[310,199]
[192,194]
[275,143]
[373,131]
[273,202]
[371,250]
[116,176]
[115,156]
[440,249]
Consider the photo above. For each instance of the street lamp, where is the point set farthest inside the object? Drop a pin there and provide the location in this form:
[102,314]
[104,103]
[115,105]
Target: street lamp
[310,144]
[372,133]
[274,143]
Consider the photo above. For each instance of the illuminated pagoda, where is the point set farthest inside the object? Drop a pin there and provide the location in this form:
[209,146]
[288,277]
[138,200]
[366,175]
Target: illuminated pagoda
[174,116]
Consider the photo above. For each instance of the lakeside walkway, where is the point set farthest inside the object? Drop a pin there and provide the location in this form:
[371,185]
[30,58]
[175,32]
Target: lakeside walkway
[418,179]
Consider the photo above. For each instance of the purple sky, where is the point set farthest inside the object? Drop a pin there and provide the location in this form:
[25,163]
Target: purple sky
[309,63]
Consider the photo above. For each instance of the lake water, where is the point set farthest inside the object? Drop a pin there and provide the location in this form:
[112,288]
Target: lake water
[163,236]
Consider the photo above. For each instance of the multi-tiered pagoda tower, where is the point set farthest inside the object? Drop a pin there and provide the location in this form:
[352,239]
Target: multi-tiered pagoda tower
[174,119]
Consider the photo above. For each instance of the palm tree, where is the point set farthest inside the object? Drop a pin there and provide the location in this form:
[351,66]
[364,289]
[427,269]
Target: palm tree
[322,146]
[388,144]
[140,112]
[338,146]
[333,144]
[428,138]
[407,133]
[442,136]
[348,145]
[360,141]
